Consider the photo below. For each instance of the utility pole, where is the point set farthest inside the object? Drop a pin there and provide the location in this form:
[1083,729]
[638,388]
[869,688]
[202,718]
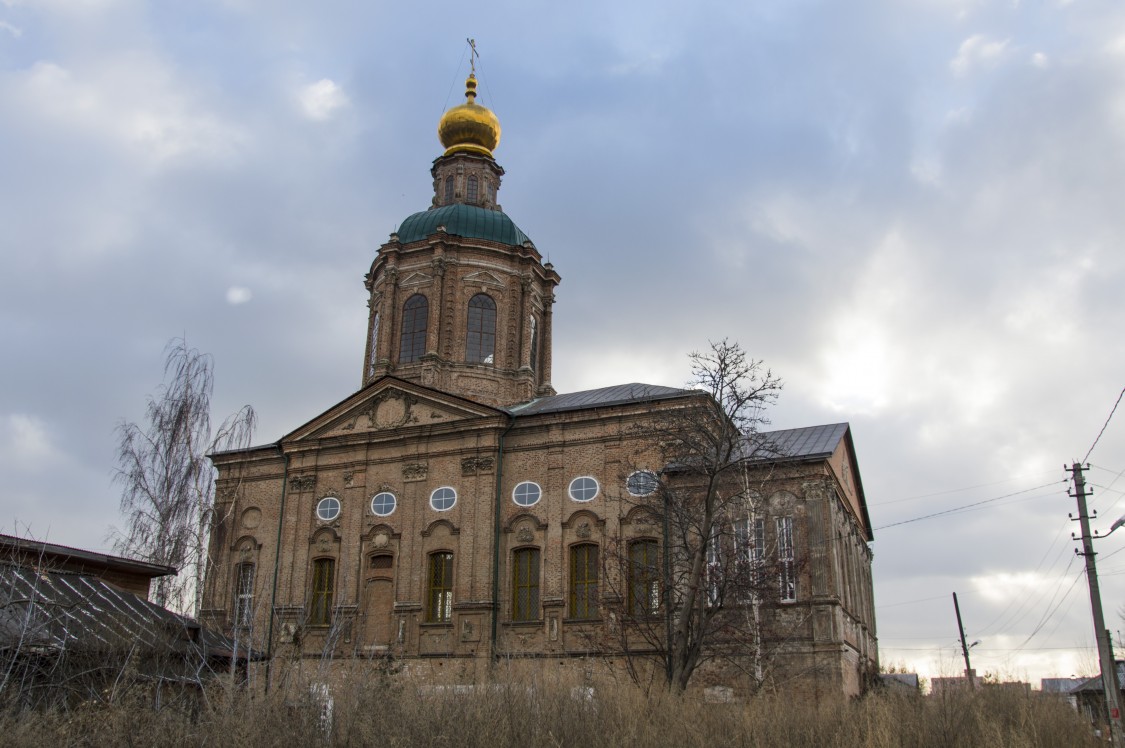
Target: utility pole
[964,647]
[1105,654]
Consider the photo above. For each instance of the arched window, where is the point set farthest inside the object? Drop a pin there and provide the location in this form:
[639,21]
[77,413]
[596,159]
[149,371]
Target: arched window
[584,581]
[415,316]
[644,578]
[534,343]
[525,584]
[439,597]
[323,587]
[244,595]
[481,343]
[449,189]
[471,190]
[374,345]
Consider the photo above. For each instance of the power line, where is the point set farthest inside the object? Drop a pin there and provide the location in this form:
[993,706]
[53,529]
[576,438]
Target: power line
[966,507]
[910,602]
[1104,425]
[958,490]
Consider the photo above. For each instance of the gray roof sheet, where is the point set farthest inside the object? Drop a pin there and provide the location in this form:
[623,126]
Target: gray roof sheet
[801,443]
[601,397]
[77,612]
[132,565]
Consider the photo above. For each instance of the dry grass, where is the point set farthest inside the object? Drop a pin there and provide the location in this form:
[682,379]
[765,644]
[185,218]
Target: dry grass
[390,712]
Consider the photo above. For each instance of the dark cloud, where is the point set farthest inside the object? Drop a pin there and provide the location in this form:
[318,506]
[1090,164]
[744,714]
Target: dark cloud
[911,213]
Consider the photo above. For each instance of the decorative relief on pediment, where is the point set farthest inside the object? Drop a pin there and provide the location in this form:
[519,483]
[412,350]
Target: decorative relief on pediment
[525,534]
[302,483]
[390,409]
[583,531]
[415,471]
[474,465]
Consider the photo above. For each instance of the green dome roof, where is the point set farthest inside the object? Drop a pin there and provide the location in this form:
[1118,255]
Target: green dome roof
[468,221]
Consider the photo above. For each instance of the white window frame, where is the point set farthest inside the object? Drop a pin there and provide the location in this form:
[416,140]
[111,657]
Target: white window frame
[326,514]
[434,498]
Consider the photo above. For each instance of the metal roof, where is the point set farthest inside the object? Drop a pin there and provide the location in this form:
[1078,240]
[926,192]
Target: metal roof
[35,548]
[1095,685]
[604,396]
[462,220]
[802,443]
[65,611]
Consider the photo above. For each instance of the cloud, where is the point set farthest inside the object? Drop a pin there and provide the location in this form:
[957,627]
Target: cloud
[238,295]
[322,99]
[132,100]
[975,51]
[16,32]
[27,441]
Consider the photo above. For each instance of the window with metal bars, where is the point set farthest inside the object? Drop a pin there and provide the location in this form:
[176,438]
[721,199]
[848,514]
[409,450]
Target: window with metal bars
[644,578]
[480,343]
[749,549]
[525,584]
[471,190]
[713,571]
[415,317]
[244,595]
[787,577]
[323,587]
[439,598]
[584,581]
[449,189]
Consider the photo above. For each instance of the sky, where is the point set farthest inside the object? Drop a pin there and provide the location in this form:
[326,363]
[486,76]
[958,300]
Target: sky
[911,211]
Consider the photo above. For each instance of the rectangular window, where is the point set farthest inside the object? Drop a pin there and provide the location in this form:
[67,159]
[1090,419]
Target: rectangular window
[439,600]
[644,578]
[525,584]
[787,577]
[323,586]
[584,581]
[749,549]
[244,595]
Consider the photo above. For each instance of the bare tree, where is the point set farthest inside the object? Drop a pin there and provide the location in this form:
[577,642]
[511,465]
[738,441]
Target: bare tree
[168,485]
[702,601]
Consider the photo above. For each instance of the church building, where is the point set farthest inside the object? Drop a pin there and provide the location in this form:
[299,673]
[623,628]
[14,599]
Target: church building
[456,511]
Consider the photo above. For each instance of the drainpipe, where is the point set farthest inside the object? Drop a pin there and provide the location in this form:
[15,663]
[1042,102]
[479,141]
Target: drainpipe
[496,534]
[276,565]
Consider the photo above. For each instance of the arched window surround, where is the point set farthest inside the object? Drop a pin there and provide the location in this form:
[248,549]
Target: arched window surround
[480,332]
[415,323]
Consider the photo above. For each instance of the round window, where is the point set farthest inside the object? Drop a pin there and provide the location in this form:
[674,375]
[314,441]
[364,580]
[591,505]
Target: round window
[642,483]
[526,493]
[443,498]
[583,489]
[328,509]
[383,503]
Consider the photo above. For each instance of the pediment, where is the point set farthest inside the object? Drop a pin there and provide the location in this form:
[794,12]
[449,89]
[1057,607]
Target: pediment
[416,279]
[389,405]
[482,278]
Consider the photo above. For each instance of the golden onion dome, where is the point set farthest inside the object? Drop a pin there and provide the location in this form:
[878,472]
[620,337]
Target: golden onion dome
[470,127]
